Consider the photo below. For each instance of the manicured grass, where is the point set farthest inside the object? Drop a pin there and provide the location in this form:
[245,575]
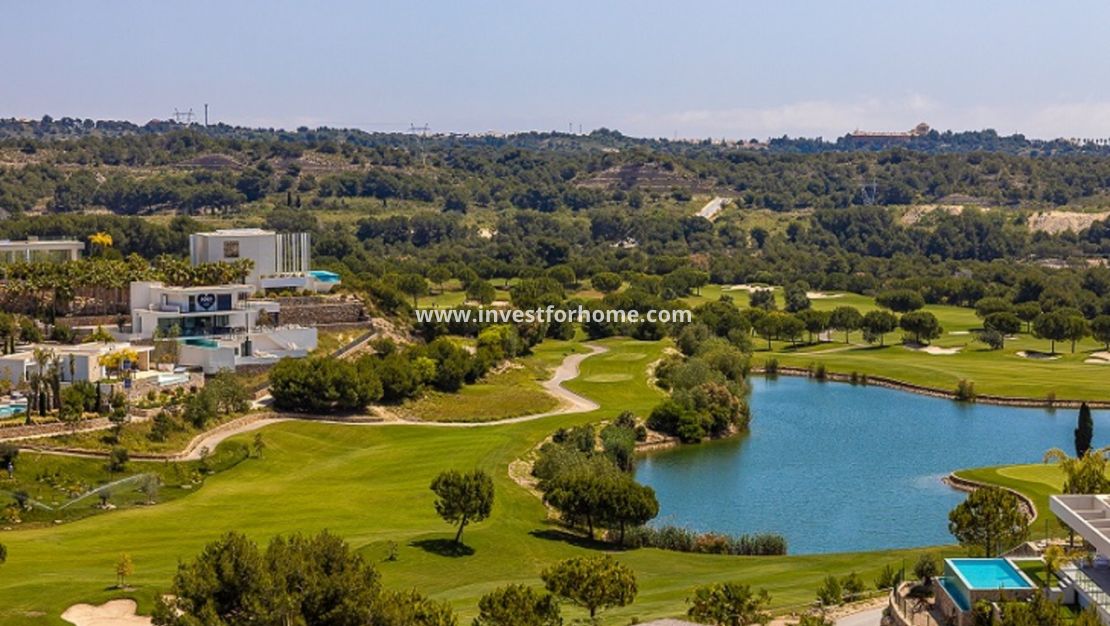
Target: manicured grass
[370,485]
[994,372]
[1036,481]
[510,393]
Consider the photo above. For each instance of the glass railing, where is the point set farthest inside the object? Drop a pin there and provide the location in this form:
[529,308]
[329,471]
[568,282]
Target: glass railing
[1083,582]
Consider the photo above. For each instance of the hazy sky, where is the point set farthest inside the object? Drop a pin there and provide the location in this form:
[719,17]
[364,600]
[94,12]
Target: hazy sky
[695,69]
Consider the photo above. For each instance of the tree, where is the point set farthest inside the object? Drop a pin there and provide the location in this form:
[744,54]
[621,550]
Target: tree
[1084,431]
[926,568]
[729,604]
[830,593]
[1082,474]
[879,323]
[797,297]
[815,322]
[518,605]
[1027,312]
[606,282]
[463,497]
[413,285]
[124,568]
[439,274]
[922,325]
[312,581]
[1003,322]
[991,519]
[1054,326]
[762,299]
[593,583]
[1100,330]
[481,291]
[900,300]
[258,445]
[846,319]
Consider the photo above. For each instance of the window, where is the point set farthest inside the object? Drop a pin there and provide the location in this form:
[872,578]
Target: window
[231,249]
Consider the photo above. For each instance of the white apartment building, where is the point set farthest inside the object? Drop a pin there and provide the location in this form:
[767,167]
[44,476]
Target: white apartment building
[219,327]
[281,260]
[40,250]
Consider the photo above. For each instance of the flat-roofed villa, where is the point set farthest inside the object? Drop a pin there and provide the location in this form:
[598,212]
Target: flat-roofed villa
[219,327]
[1089,580]
[37,250]
[79,362]
[281,260]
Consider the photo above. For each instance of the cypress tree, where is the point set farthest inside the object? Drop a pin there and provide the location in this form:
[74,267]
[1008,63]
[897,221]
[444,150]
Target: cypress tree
[1084,431]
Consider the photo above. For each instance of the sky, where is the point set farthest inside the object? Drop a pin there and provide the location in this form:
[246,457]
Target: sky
[714,68]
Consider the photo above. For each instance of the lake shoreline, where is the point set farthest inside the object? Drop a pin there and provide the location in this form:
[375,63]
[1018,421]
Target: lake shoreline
[892,383]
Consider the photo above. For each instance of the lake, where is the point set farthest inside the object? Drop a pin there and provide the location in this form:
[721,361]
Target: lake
[841,468]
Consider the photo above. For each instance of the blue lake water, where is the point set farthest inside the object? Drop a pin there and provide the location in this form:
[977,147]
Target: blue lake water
[840,468]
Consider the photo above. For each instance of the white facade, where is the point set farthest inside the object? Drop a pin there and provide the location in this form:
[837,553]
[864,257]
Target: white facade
[281,260]
[40,250]
[218,326]
[1089,517]
[79,362]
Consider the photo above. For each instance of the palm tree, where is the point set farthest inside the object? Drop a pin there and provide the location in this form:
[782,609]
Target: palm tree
[1082,475]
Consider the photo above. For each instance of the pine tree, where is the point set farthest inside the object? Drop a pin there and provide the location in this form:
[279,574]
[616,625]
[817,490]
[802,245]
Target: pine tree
[1084,431]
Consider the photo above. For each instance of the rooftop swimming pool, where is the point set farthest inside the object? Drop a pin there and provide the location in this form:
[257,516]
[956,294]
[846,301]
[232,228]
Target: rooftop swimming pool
[201,342]
[989,574]
[325,276]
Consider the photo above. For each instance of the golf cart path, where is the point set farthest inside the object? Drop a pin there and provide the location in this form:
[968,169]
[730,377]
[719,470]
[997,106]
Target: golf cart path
[570,402]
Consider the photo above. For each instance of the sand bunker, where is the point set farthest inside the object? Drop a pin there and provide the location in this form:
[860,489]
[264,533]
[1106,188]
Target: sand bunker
[821,295]
[1040,356]
[112,613]
[935,350]
[1099,358]
[748,288]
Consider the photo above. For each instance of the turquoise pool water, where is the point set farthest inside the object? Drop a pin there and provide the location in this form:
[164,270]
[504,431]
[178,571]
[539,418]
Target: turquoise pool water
[9,410]
[989,574]
[838,468]
[325,276]
[201,342]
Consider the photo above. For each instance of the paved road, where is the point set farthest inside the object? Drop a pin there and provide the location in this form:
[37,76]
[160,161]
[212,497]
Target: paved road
[866,618]
[710,211]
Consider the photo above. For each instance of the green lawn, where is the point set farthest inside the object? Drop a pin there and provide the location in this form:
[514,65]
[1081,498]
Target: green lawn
[510,393]
[370,485]
[1036,481]
[1001,372]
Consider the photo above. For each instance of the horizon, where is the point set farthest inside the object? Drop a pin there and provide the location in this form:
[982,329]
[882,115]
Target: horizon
[716,70]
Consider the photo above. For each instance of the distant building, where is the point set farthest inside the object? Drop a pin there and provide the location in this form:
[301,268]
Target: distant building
[80,362]
[281,260]
[57,250]
[219,327]
[895,137]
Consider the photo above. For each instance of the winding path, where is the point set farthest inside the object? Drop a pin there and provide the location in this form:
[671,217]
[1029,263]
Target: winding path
[570,403]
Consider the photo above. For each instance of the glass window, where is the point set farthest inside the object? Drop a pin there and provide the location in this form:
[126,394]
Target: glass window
[231,249]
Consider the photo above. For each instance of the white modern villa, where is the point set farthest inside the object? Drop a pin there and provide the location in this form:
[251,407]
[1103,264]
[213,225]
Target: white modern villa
[281,260]
[80,362]
[219,327]
[40,250]
[1089,517]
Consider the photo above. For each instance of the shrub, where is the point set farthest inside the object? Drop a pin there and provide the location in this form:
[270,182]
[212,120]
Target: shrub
[771,367]
[965,391]
[684,540]
[830,593]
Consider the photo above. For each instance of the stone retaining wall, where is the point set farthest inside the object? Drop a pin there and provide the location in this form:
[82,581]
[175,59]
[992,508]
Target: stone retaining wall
[890,383]
[314,311]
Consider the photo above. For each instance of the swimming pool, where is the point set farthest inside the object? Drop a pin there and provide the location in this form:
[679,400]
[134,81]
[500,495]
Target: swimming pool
[10,410]
[201,342]
[990,574]
[969,580]
[325,276]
